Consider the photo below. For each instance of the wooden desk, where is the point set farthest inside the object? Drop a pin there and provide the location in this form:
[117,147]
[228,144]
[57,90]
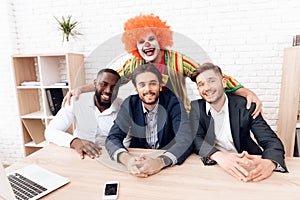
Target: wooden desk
[192,180]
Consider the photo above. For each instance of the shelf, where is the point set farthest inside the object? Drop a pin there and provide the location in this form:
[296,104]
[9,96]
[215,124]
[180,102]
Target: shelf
[42,87]
[29,87]
[34,115]
[32,144]
[55,86]
[50,117]
[35,128]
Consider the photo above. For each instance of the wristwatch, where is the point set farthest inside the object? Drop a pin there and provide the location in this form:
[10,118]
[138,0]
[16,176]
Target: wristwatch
[166,160]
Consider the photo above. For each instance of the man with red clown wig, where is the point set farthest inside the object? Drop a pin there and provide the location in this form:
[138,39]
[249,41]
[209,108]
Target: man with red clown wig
[148,38]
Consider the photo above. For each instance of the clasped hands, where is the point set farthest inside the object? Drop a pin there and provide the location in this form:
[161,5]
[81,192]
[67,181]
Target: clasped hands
[244,166]
[143,166]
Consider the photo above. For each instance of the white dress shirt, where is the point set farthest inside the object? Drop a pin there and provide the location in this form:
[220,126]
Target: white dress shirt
[223,139]
[91,124]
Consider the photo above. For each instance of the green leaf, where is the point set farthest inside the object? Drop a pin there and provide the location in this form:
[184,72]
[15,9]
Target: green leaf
[67,26]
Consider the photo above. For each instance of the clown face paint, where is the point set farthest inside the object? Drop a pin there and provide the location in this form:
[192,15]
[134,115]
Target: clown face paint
[148,47]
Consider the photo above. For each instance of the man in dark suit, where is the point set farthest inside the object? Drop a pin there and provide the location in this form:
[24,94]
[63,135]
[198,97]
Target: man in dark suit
[152,119]
[222,125]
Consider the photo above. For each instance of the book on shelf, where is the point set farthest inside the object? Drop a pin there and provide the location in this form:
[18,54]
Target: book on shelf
[64,83]
[55,97]
[30,83]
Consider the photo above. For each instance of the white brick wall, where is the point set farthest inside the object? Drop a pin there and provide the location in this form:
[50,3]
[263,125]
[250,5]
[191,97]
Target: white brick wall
[245,38]
[10,135]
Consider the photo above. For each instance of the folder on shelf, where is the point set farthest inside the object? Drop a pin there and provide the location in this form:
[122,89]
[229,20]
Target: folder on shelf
[55,97]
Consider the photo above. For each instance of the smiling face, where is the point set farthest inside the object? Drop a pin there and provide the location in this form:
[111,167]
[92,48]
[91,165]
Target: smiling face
[148,47]
[106,89]
[148,88]
[211,87]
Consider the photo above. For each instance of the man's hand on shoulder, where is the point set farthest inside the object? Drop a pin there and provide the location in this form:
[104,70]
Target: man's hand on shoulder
[86,147]
[67,99]
[76,92]
[251,98]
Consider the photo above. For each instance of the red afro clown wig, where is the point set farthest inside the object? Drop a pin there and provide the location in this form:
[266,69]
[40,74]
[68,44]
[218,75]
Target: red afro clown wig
[137,28]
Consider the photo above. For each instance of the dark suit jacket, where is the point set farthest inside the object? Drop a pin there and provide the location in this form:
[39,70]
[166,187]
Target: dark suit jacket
[241,123]
[174,133]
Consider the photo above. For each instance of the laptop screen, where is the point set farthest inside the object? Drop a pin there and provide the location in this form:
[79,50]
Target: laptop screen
[5,189]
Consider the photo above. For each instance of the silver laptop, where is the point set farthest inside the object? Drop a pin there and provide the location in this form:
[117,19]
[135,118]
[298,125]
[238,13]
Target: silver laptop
[30,182]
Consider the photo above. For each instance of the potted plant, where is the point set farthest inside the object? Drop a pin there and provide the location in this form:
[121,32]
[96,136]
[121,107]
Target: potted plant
[67,26]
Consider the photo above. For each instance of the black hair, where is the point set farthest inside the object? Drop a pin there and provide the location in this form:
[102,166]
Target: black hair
[146,68]
[108,70]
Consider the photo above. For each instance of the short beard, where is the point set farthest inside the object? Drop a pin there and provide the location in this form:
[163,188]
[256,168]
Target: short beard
[98,99]
[151,103]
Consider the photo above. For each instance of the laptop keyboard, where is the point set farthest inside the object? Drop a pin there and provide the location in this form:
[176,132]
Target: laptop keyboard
[24,188]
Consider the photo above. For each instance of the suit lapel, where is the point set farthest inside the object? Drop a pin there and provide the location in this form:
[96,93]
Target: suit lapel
[207,122]
[140,123]
[234,117]
[161,121]
[210,134]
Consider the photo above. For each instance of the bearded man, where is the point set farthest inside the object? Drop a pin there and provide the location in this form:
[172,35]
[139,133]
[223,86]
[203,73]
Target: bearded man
[93,115]
[148,39]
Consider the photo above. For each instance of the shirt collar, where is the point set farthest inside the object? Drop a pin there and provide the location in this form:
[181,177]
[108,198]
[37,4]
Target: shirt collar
[114,107]
[152,111]
[211,109]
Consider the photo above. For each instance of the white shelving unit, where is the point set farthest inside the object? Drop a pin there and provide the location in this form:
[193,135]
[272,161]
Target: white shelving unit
[45,70]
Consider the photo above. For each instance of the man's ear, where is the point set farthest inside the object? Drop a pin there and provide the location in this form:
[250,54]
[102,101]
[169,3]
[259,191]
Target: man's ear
[160,87]
[224,83]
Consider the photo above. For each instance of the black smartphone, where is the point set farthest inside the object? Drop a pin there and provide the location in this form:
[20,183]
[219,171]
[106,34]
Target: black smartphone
[111,190]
